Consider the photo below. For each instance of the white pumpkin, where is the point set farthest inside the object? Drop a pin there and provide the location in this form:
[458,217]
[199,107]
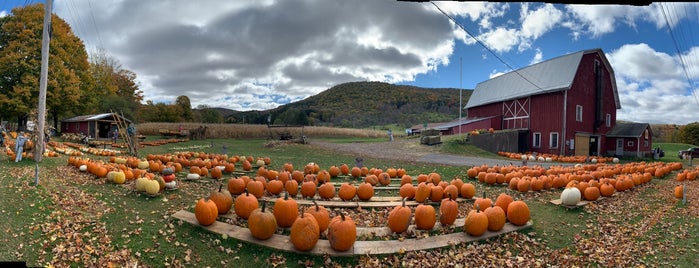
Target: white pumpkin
[524,157]
[549,159]
[193,176]
[615,160]
[532,158]
[541,159]
[594,160]
[83,168]
[570,196]
[171,185]
[260,162]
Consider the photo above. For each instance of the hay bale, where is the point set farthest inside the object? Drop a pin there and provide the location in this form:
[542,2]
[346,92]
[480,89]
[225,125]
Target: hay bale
[429,132]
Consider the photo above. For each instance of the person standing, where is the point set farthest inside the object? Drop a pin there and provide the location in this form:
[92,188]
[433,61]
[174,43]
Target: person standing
[19,146]
[390,135]
[115,135]
[2,135]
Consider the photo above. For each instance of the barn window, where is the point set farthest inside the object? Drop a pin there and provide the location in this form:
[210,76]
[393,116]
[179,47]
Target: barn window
[537,140]
[629,144]
[553,141]
[578,113]
[645,143]
[609,120]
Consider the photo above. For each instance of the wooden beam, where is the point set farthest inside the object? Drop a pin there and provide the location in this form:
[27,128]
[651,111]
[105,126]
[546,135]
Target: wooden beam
[281,242]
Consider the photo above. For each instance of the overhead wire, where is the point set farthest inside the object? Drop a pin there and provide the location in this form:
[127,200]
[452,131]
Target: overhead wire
[94,23]
[679,53]
[485,46]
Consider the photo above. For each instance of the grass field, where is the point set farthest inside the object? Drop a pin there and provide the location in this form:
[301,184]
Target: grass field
[72,219]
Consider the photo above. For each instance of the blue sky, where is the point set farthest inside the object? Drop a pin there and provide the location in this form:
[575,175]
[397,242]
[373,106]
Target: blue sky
[257,55]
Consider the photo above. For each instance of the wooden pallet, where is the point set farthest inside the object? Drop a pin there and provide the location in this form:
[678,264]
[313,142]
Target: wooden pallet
[582,203]
[281,242]
[374,202]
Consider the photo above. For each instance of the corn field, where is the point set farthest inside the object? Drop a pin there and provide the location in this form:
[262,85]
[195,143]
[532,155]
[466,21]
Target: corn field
[251,131]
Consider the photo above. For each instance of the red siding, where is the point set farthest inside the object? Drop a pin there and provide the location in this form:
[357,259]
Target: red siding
[547,117]
[494,122]
[582,93]
[74,127]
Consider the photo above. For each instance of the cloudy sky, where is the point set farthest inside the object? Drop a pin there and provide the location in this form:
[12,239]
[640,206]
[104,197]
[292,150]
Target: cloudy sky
[259,54]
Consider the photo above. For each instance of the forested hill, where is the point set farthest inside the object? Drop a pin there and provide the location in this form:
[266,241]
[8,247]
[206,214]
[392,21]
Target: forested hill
[364,104]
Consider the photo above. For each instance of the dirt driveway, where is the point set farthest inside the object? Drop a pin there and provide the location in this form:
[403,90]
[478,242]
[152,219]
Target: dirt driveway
[412,151]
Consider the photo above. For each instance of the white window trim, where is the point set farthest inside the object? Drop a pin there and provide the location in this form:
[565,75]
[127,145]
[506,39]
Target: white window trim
[609,120]
[535,141]
[551,140]
[578,113]
[629,143]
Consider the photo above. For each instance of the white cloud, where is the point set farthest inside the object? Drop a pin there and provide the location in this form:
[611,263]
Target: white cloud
[538,22]
[215,52]
[537,57]
[652,87]
[501,39]
[3,13]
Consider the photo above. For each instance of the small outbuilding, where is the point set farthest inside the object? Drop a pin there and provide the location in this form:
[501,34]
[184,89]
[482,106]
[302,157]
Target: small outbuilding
[96,126]
[629,139]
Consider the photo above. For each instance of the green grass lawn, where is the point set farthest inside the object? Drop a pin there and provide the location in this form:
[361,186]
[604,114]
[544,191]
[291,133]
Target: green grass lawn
[115,224]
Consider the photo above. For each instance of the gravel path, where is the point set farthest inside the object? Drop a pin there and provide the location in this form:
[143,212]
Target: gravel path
[412,151]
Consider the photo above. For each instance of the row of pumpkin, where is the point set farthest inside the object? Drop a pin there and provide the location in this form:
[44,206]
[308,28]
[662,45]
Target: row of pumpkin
[304,233]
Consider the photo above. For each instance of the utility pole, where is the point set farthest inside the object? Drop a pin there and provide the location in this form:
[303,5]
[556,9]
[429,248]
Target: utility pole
[461,107]
[41,113]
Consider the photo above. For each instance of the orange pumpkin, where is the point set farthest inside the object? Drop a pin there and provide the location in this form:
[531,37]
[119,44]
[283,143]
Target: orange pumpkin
[399,218]
[304,232]
[496,218]
[425,217]
[286,210]
[342,233]
[205,211]
[518,213]
[261,223]
[244,204]
[347,192]
[321,214]
[365,191]
[448,210]
[476,222]
[223,199]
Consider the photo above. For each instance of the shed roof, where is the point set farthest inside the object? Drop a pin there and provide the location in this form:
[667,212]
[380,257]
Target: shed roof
[553,75]
[93,117]
[628,130]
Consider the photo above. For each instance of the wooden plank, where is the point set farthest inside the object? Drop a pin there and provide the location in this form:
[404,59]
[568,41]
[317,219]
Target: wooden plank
[374,202]
[281,242]
[558,202]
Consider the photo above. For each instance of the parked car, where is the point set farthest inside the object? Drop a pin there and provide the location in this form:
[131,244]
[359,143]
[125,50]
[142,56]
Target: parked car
[693,152]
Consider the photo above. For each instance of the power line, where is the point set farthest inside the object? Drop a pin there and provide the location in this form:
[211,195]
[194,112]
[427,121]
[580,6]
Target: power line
[92,14]
[485,46]
[679,53]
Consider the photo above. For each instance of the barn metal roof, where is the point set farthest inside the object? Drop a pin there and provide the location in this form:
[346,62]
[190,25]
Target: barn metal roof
[627,130]
[553,75]
[93,117]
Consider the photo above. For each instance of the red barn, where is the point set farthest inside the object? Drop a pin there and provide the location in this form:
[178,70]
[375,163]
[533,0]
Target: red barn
[566,106]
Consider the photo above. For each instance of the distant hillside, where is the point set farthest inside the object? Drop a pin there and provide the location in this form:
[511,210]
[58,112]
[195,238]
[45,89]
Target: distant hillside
[364,104]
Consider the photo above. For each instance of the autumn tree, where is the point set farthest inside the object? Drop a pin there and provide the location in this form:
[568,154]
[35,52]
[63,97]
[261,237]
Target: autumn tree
[115,88]
[690,133]
[185,107]
[208,115]
[20,64]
